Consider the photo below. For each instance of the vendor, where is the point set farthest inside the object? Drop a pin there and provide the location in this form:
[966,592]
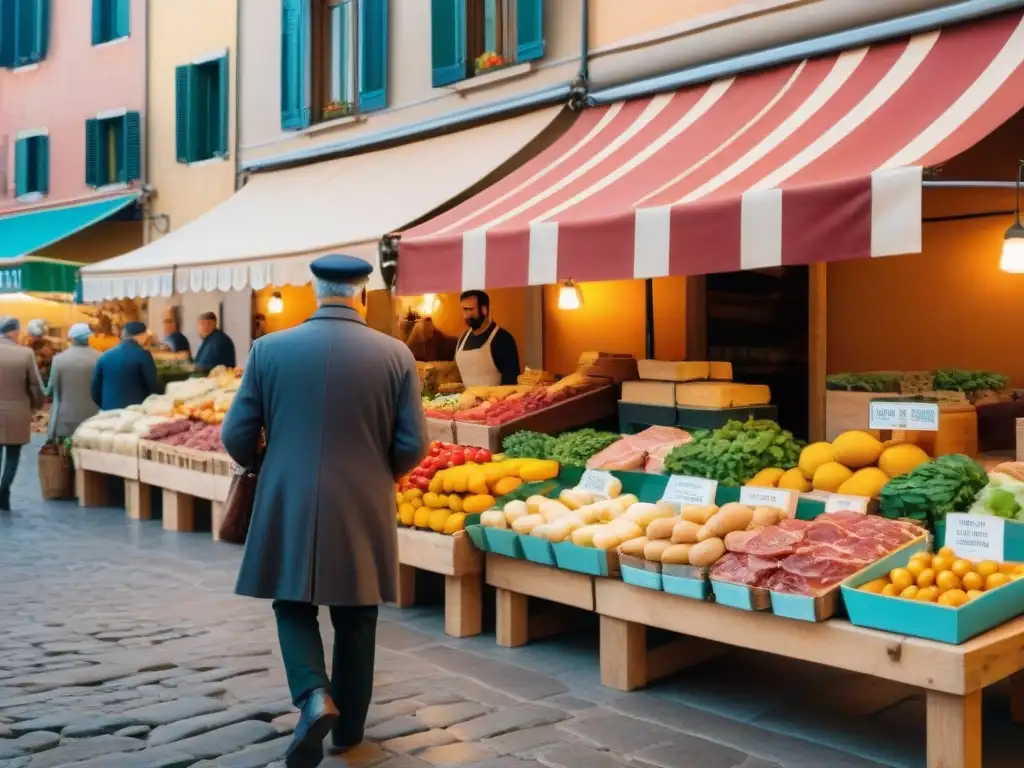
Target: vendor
[174,339]
[486,354]
[216,348]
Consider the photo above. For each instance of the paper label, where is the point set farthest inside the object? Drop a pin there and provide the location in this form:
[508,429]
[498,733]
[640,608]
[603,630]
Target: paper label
[596,482]
[682,490]
[976,537]
[885,414]
[769,497]
[838,502]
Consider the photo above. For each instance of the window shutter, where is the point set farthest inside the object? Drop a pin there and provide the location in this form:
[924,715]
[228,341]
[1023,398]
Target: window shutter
[21,166]
[529,29]
[132,147]
[42,159]
[373,55]
[97,21]
[448,41]
[294,63]
[7,32]
[40,35]
[184,87]
[220,143]
[122,21]
[93,152]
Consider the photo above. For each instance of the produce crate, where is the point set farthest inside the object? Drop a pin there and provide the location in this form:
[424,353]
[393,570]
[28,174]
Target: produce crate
[537,550]
[184,475]
[640,572]
[741,596]
[588,560]
[441,429]
[686,581]
[845,411]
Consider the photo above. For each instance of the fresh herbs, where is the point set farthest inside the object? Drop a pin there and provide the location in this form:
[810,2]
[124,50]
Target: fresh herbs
[953,379]
[735,453]
[863,382]
[933,490]
[943,380]
[573,449]
[528,445]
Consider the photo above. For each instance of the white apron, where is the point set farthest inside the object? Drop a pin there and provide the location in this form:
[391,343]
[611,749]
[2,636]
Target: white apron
[476,366]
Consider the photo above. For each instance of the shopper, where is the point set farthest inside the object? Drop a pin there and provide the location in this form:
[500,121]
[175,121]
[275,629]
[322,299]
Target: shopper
[70,384]
[42,347]
[340,407]
[126,374]
[216,347]
[21,393]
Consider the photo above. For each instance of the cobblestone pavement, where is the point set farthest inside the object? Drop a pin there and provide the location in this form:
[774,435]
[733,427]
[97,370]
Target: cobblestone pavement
[121,646]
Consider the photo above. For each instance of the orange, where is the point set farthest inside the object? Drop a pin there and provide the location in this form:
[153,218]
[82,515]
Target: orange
[947,580]
[1007,568]
[875,586]
[953,598]
[947,552]
[910,593]
[941,563]
[987,567]
[994,580]
[901,578]
[962,567]
[916,566]
[928,595]
[973,594]
[926,577]
[1019,568]
[890,590]
[922,556]
[973,581]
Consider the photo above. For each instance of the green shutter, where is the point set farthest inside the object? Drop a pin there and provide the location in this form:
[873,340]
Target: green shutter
[184,88]
[373,55]
[447,41]
[294,63]
[7,32]
[37,29]
[42,163]
[99,34]
[24,33]
[122,21]
[490,25]
[21,167]
[94,153]
[529,29]
[132,147]
[223,121]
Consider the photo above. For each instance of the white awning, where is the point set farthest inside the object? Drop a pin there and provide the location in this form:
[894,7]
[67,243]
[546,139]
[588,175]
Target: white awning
[271,229]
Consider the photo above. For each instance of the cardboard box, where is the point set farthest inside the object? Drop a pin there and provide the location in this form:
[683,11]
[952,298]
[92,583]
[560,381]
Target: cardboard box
[441,429]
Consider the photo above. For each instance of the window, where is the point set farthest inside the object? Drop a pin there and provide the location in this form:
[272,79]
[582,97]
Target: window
[473,37]
[202,112]
[24,32]
[32,165]
[333,59]
[111,19]
[113,153]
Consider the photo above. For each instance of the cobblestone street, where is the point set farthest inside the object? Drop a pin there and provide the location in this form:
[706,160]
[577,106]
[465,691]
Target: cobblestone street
[122,646]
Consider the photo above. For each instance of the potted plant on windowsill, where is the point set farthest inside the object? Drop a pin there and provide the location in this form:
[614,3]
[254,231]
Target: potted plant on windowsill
[488,62]
[336,109]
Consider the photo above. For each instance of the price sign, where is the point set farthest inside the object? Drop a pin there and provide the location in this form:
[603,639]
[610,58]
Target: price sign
[683,490]
[596,482]
[886,414]
[838,502]
[769,497]
[976,537]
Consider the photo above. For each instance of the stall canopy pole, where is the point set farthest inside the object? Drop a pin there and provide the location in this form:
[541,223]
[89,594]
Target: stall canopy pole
[649,320]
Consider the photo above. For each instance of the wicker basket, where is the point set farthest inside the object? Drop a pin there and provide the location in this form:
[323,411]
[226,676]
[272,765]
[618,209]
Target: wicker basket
[56,478]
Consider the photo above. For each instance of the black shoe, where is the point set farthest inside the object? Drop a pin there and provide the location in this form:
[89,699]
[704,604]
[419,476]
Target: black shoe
[5,501]
[316,720]
[343,744]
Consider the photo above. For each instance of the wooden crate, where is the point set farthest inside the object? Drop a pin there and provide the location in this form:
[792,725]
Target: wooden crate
[185,475]
[100,462]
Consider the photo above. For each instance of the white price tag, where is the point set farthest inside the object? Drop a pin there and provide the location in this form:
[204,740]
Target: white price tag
[976,537]
[779,498]
[683,490]
[838,502]
[923,417]
[596,482]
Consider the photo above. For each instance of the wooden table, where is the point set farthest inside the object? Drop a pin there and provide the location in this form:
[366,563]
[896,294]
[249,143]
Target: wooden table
[184,476]
[92,472]
[461,564]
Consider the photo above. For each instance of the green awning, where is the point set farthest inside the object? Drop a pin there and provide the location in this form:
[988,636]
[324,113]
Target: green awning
[22,234]
[38,276]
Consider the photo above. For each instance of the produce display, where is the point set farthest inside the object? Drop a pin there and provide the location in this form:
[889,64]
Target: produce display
[944,578]
[645,451]
[969,382]
[735,453]
[442,456]
[495,406]
[942,380]
[864,382]
[808,558]
[572,449]
[187,433]
[934,489]
[1004,494]
[115,431]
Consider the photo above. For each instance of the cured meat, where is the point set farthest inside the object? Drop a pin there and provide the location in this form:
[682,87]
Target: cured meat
[773,541]
[750,570]
[646,450]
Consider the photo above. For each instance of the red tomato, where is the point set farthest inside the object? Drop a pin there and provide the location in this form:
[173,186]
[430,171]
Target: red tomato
[483,456]
[435,448]
[438,463]
[457,458]
[421,482]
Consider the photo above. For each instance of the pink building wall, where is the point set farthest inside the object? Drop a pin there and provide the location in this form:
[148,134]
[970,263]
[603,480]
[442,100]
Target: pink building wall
[74,82]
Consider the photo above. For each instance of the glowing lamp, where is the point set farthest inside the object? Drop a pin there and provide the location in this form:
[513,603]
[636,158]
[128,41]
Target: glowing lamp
[570,296]
[276,304]
[1013,241]
[430,303]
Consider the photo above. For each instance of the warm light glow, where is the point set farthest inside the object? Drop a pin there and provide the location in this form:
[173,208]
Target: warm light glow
[1013,251]
[276,304]
[430,304]
[570,296]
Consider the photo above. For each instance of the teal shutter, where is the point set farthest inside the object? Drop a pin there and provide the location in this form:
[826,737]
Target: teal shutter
[294,63]
[184,87]
[529,29]
[94,153]
[373,55]
[8,37]
[21,167]
[490,25]
[42,163]
[39,34]
[223,121]
[448,41]
[98,32]
[122,21]
[132,147]
[23,31]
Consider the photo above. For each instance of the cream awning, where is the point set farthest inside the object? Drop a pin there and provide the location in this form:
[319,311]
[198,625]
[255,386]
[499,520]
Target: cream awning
[270,230]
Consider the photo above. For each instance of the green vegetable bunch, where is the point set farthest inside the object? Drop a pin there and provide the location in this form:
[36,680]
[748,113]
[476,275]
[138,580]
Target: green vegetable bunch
[528,445]
[863,382]
[933,490]
[733,454]
[953,379]
[573,449]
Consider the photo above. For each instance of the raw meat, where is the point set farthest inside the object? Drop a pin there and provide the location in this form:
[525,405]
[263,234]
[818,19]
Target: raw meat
[646,449]
[744,569]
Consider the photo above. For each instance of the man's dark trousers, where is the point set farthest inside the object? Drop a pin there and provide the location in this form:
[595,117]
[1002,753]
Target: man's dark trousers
[351,681]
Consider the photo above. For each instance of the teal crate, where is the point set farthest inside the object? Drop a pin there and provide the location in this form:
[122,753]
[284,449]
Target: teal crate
[537,550]
[477,534]
[502,541]
[640,484]
[928,620]
[593,562]
[715,418]
[685,581]
[741,596]
[640,577]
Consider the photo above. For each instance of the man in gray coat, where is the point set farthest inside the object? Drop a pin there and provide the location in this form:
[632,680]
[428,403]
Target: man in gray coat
[21,393]
[340,407]
[70,384]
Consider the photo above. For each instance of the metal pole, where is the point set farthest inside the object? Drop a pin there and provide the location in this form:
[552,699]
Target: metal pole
[649,320]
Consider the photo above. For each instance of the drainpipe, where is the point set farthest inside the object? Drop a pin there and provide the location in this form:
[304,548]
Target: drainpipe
[581,85]
[147,206]
[239,181]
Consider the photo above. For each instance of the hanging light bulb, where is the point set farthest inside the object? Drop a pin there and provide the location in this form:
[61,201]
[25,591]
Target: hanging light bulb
[276,304]
[429,305]
[1013,241]
[570,296]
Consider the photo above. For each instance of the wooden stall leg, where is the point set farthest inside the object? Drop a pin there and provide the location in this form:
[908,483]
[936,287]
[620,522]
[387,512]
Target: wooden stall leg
[954,730]
[179,512]
[623,654]
[463,605]
[137,500]
[92,488]
[406,586]
[217,512]
[511,620]
[1017,697]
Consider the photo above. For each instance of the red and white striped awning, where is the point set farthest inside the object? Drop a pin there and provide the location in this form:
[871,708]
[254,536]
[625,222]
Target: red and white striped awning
[819,160]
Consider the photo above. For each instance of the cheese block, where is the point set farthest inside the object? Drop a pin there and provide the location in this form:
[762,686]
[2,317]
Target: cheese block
[616,369]
[721,371]
[720,394]
[649,392]
[668,370]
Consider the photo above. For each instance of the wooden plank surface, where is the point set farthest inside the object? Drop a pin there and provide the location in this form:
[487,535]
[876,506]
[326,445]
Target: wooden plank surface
[526,578]
[447,555]
[104,463]
[954,730]
[201,485]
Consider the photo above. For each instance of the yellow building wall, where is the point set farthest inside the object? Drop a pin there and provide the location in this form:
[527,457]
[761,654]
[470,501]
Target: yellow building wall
[96,243]
[612,21]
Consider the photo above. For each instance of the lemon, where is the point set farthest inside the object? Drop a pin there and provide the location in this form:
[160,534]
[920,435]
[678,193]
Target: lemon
[927,595]
[432,500]
[910,593]
[973,581]
[941,563]
[901,578]
[874,587]
[926,577]
[813,456]
[413,493]
[947,552]
[962,567]
[994,580]
[947,580]
[1007,568]
[407,513]
[856,449]
[890,590]
[829,476]
[916,566]
[974,594]
[900,459]
[953,598]
[987,567]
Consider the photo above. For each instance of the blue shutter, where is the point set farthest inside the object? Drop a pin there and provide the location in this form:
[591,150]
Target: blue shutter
[21,166]
[122,21]
[448,41]
[373,55]
[294,63]
[98,32]
[39,29]
[132,147]
[184,88]
[7,32]
[24,33]
[42,163]
[94,153]
[490,25]
[220,142]
[529,29]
